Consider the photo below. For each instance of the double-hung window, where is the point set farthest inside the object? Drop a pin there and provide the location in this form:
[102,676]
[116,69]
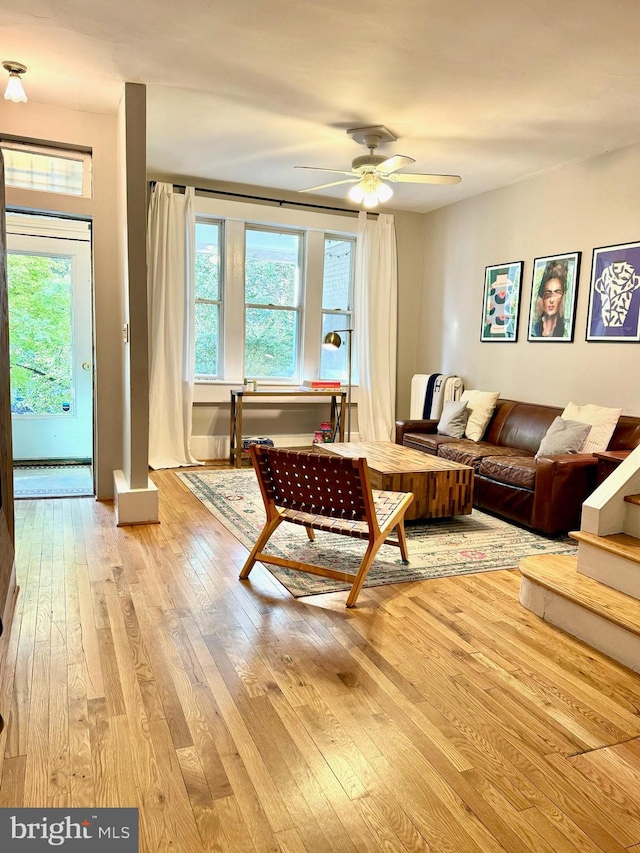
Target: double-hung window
[337,301]
[273,303]
[208,299]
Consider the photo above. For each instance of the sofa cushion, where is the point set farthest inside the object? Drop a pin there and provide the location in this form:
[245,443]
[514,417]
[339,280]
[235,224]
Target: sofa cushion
[428,442]
[563,436]
[481,406]
[472,452]
[453,421]
[518,471]
[603,423]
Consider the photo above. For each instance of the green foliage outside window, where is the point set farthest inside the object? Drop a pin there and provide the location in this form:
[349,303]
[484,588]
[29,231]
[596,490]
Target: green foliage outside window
[40,333]
[271,336]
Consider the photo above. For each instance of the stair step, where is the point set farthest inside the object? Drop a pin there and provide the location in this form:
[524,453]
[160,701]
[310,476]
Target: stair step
[633,499]
[557,573]
[620,544]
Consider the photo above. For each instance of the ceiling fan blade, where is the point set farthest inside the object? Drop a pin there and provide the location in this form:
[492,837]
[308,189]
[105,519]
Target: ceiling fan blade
[321,169]
[425,179]
[398,161]
[332,184]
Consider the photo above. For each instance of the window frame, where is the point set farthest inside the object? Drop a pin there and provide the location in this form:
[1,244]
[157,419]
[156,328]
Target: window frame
[236,215]
[80,155]
[347,313]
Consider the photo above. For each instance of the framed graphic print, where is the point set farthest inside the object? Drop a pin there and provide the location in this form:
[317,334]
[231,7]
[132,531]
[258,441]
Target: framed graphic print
[501,304]
[554,286]
[614,295]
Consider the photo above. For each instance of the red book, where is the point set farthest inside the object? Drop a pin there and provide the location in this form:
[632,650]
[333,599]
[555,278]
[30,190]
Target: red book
[322,383]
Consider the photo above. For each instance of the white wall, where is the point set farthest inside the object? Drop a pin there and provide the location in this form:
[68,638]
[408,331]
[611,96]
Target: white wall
[574,208]
[44,123]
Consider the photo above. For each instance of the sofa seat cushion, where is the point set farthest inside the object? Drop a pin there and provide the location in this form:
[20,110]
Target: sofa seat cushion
[428,442]
[518,471]
[472,453]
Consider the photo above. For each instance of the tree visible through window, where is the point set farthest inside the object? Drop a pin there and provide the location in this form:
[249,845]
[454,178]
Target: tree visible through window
[272,303]
[207,299]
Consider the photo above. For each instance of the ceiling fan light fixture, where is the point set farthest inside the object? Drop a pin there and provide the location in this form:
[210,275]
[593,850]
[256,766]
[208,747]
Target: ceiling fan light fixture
[14,91]
[384,192]
[356,193]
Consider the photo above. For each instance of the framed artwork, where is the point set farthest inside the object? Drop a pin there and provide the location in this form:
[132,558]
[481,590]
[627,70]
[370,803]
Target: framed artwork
[614,295]
[554,287]
[501,304]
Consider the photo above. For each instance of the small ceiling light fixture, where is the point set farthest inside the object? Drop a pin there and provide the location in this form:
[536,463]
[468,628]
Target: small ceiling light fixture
[14,91]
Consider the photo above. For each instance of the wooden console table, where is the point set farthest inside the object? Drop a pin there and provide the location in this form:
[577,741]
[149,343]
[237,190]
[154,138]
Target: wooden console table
[338,408]
[608,461]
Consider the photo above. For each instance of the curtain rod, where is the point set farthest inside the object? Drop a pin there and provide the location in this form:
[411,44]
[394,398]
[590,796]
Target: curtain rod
[274,201]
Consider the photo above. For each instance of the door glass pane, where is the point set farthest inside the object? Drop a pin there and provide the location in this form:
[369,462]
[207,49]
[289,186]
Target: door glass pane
[40,334]
[206,338]
[270,343]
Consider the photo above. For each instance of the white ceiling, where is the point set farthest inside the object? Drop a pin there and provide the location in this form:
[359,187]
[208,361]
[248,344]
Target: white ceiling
[243,91]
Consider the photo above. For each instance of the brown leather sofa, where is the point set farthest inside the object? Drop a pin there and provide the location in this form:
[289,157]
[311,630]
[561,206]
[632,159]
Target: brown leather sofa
[545,494]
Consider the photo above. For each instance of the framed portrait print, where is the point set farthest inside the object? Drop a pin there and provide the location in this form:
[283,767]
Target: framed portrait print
[614,295]
[501,304]
[554,287]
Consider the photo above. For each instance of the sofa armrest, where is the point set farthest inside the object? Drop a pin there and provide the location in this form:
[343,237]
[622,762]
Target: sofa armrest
[414,426]
[562,484]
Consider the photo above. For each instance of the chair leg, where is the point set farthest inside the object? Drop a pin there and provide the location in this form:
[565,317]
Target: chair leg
[402,539]
[363,571]
[262,540]
[311,534]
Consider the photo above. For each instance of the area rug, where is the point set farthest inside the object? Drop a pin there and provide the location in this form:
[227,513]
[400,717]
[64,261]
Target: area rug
[52,481]
[437,549]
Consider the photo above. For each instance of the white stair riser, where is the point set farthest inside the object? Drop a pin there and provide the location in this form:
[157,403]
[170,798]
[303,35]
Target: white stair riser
[609,569]
[632,520]
[596,631]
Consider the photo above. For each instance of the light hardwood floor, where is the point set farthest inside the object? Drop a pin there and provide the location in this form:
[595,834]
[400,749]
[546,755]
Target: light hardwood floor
[437,716]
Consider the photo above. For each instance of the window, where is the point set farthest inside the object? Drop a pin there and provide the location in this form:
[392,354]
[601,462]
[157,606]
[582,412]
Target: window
[337,301]
[208,299]
[53,170]
[263,300]
[272,273]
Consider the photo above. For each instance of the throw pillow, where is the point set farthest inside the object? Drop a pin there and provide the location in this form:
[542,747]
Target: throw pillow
[603,422]
[453,419]
[481,405]
[563,437]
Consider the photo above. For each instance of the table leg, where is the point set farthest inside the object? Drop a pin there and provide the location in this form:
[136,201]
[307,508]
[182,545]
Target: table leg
[232,430]
[239,433]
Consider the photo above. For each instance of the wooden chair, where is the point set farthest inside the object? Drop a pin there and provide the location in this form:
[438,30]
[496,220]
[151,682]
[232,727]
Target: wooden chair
[328,493]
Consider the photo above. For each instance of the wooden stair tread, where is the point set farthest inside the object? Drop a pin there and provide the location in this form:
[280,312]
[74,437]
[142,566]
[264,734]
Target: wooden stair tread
[632,499]
[621,544]
[558,573]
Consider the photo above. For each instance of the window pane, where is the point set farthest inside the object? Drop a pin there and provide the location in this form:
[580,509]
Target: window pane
[270,343]
[333,362]
[272,261]
[44,172]
[207,324]
[207,269]
[336,282]
[40,334]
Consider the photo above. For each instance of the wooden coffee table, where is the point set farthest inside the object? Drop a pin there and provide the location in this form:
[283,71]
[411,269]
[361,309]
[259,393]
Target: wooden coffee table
[441,488]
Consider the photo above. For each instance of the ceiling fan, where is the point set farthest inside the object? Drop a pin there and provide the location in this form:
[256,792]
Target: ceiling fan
[370,171]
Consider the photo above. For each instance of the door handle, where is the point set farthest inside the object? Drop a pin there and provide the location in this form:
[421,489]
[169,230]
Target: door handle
[86,365]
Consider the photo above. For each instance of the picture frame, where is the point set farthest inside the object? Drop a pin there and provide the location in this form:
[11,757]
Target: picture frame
[554,290]
[501,303]
[614,294]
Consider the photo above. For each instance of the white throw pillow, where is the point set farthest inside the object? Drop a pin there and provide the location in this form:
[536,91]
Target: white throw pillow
[481,405]
[603,423]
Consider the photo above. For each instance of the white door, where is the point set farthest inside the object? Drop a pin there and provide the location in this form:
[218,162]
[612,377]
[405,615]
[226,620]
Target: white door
[50,337]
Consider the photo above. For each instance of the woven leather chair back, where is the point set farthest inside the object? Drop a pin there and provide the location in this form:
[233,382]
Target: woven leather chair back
[311,482]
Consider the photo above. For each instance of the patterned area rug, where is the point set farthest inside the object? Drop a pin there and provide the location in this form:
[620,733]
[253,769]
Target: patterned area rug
[437,549]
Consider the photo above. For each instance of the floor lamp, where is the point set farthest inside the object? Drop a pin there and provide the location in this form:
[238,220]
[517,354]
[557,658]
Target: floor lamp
[332,340]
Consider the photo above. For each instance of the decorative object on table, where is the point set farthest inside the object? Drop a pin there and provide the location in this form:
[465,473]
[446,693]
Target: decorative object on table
[332,340]
[502,284]
[614,295]
[258,439]
[437,548]
[554,287]
[322,383]
[430,391]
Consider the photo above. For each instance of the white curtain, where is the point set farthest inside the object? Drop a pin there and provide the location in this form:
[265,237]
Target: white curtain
[376,312]
[171,251]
